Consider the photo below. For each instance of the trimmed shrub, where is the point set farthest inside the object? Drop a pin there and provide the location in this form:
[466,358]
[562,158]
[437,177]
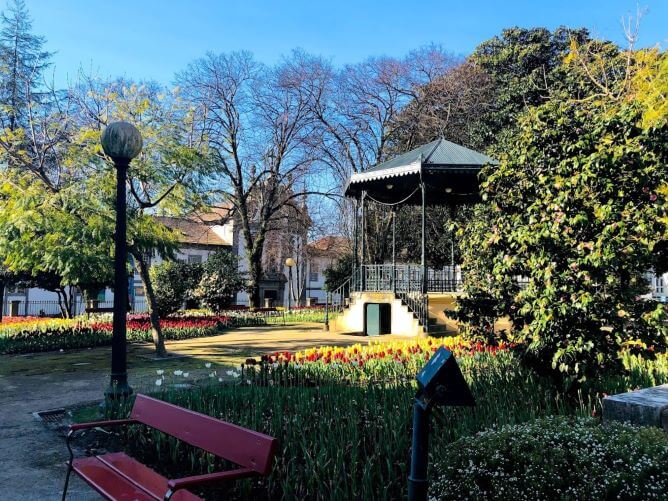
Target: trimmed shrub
[220,281]
[173,284]
[556,458]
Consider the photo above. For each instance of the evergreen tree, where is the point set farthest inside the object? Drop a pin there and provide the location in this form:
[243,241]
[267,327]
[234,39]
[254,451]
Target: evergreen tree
[23,61]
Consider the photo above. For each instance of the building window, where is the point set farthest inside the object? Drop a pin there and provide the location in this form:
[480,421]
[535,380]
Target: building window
[194,259]
[314,270]
[139,290]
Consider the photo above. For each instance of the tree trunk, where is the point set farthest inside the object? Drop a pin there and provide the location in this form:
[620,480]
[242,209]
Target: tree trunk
[63,303]
[255,275]
[156,330]
[2,299]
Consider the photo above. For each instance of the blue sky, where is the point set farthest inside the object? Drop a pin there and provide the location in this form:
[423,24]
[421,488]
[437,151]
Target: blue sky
[151,39]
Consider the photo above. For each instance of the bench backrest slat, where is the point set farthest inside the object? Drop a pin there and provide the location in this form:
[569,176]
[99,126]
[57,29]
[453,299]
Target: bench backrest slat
[234,443]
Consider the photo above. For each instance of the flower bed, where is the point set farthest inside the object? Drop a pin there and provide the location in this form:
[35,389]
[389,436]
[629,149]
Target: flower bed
[22,320]
[48,335]
[375,361]
[337,419]
[139,327]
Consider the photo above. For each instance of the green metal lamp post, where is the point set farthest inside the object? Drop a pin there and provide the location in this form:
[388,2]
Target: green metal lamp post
[122,142]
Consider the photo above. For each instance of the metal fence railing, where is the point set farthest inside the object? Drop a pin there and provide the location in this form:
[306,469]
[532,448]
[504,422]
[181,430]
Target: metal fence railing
[22,308]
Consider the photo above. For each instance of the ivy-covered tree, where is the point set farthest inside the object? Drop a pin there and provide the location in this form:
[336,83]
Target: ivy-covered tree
[575,209]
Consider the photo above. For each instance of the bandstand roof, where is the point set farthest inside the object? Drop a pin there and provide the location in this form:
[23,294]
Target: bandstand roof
[449,171]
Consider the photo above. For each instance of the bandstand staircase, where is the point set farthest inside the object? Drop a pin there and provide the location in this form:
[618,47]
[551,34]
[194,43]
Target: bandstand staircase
[404,283]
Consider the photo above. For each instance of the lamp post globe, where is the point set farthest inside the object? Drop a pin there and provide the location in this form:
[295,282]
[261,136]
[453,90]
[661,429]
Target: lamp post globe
[289,262]
[122,142]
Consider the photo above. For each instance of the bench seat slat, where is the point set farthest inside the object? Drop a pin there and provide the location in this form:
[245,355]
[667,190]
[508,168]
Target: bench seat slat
[117,476]
[234,443]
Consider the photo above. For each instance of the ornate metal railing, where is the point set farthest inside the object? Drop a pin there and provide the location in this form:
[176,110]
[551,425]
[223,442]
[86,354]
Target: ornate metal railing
[406,278]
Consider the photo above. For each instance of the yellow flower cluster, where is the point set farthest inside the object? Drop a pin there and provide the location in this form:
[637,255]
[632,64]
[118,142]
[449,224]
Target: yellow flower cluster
[375,349]
[35,324]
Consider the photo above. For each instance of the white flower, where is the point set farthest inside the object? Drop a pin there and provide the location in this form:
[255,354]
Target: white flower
[178,373]
[220,379]
[232,374]
[160,372]
[158,382]
[207,365]
[186,374]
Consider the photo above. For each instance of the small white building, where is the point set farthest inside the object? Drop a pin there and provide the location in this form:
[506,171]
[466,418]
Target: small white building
[321,255]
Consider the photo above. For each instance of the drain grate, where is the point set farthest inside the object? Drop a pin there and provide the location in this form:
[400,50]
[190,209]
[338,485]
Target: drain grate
[53,416]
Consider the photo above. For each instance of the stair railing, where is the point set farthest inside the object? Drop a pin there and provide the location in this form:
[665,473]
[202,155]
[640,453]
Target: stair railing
[337,299]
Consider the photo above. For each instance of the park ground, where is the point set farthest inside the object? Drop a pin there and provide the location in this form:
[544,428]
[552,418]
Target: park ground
[32,455]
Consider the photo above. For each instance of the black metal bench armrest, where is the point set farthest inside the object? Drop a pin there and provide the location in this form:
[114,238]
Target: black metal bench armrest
[101,424]
[87,426]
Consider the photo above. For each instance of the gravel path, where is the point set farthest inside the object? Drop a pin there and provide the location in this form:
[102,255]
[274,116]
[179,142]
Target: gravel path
[32,456]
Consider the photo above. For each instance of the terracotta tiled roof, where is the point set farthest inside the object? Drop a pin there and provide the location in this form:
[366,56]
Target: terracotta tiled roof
[212,214]
[193,232]
[331,245]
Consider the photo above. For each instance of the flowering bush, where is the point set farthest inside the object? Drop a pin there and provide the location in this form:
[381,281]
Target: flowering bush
[556,458]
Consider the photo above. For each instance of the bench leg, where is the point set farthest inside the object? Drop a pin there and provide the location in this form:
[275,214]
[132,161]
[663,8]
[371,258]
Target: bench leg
[67,479]
[69,462]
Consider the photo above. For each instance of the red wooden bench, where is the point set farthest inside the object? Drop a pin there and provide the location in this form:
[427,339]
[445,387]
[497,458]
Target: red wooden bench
[118,476]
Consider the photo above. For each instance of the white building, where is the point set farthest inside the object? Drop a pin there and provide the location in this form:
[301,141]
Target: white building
[321,255]
[200,235]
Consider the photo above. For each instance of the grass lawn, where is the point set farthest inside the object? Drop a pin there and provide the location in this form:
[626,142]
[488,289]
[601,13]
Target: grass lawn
[228,349]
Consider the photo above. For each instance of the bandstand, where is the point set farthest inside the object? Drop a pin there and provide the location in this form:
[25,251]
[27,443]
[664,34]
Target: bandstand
[407,298]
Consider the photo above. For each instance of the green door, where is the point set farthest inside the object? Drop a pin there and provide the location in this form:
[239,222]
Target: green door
[372,319]
[377,319]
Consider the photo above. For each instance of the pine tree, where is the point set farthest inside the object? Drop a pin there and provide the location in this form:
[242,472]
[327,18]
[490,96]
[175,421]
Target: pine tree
[23,61]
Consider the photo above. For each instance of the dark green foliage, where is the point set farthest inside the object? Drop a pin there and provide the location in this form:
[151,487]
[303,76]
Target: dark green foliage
[174,283]
[574,208]
[338,272]
[442,246]
[556,458]
[525,65]
[221,280]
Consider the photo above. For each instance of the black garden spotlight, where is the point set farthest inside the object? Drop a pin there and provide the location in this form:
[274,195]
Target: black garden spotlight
[440,382]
